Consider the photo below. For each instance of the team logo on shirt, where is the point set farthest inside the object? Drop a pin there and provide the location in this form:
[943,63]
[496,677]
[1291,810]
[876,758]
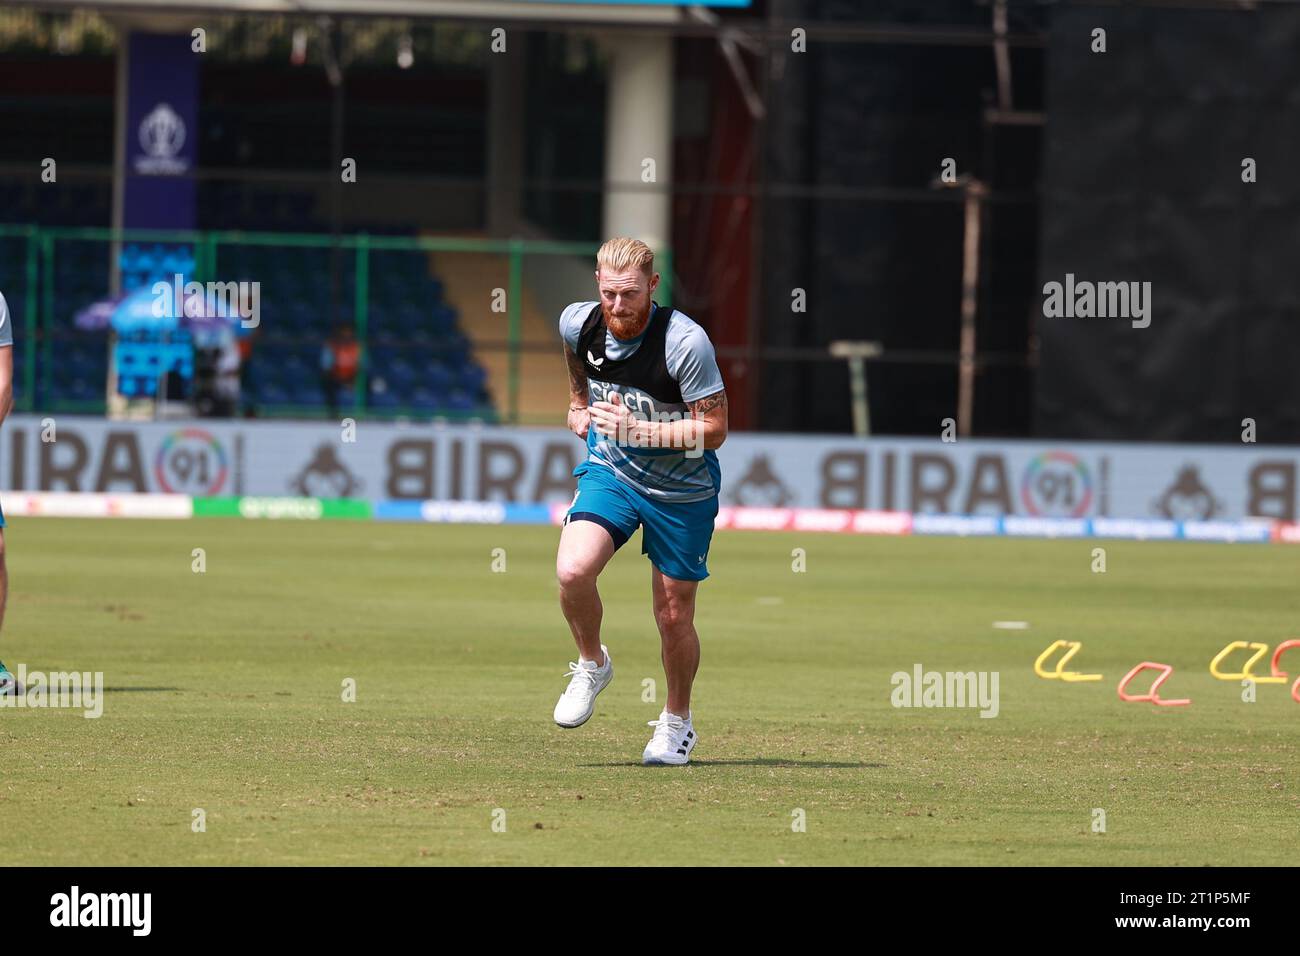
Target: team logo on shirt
[640,404]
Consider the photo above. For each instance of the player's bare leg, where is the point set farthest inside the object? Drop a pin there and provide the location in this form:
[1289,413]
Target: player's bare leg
[674,608]
[8,682]
[674,605]
[4,581]
[585,549]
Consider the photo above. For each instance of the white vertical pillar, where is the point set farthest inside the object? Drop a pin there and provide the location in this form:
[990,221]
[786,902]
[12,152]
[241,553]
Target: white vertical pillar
[639,127]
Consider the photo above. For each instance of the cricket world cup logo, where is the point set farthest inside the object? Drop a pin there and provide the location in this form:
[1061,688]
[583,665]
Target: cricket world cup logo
[162,135]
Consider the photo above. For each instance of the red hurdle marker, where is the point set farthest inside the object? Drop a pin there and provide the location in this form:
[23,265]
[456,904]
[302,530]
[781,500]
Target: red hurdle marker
[1153,695]
[1277,656]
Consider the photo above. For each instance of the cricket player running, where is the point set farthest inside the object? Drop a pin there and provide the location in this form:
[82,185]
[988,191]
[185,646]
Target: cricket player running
[646,394]
[8,683]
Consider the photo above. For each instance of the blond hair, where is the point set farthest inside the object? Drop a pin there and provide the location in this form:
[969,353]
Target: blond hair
[621,254]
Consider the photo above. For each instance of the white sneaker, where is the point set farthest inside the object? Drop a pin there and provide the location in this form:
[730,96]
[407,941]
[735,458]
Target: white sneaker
[9,683]
[673,740]
[576,703]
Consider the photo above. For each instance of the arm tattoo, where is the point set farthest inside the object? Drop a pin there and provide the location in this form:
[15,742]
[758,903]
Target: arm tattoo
[708,403]
[577,375]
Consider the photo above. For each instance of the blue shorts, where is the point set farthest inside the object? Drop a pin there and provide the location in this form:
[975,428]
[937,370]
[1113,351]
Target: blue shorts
[676,535]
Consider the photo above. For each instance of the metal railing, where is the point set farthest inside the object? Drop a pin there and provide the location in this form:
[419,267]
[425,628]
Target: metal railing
[39,323]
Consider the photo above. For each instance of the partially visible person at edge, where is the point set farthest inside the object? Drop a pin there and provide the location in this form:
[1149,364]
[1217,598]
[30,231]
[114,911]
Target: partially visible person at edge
[8,683]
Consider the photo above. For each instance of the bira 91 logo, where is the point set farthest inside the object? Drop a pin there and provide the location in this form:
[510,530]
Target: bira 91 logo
[191,461]
[1056,484]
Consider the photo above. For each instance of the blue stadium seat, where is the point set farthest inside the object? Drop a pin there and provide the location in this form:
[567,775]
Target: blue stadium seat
[303,394]
[271,393]
[423,398]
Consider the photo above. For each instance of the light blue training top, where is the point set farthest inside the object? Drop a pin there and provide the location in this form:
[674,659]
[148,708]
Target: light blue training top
[663,474]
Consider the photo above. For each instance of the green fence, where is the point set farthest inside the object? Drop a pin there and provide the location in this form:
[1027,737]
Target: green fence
[42,298]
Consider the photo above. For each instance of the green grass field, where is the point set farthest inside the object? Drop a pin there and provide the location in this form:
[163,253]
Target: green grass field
[225,694]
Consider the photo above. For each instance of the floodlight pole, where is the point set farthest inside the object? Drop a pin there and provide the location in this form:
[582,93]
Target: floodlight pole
[857,354]
[970,267]
[332,48]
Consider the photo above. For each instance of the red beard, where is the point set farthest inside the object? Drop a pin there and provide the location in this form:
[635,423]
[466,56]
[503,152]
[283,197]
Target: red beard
[626,328]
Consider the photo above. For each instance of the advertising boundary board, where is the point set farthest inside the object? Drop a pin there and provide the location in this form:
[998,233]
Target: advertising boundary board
[387,464]
[898,523]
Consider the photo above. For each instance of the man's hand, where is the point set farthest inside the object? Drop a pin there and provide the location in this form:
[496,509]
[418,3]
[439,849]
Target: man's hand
[579,420]
[704,430]
[615,420]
